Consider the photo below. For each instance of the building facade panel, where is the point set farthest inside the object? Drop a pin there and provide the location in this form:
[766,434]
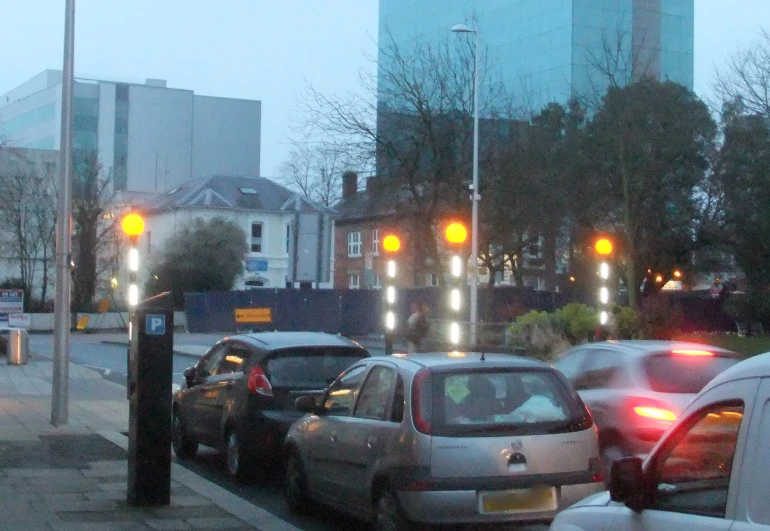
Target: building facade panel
[148,137]
[226,136]
[546,50]
[159,138]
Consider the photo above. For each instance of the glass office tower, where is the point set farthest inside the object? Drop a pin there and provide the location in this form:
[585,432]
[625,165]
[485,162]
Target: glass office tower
[546,50]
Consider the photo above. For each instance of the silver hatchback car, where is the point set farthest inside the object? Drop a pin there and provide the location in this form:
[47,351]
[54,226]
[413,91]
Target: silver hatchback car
[444,438]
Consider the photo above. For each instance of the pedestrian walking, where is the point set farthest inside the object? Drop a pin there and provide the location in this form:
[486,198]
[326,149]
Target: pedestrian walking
[417,326]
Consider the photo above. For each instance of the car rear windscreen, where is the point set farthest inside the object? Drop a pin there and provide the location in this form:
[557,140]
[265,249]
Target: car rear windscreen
[682,373]
[497,402]
[311,368]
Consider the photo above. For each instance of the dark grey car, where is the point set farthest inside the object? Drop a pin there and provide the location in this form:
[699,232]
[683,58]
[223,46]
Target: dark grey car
[444,438]
[240,396]
[636,389]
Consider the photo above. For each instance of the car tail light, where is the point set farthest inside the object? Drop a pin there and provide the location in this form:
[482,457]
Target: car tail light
[655,413]
[258,382]
[596,469]
[421,401]
[693,352]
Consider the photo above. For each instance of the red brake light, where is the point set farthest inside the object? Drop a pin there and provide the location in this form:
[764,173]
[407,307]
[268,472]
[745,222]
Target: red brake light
[258,382]
[420,402]
[596,468]
[655,413]
[693,352]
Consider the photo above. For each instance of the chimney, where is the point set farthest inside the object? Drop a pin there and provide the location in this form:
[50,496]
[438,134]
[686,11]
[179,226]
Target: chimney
[349,184]
[373,185]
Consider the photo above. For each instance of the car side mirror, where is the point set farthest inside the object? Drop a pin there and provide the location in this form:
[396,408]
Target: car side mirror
[306,404]
[627,483]
[189,376]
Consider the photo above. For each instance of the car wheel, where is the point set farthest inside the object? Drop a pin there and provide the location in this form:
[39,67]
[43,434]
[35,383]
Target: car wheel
[234,456]
[295,490]
[185,447]
[388,515]
[610,454]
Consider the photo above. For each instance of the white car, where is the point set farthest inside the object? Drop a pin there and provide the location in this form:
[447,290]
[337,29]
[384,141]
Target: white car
[709,471]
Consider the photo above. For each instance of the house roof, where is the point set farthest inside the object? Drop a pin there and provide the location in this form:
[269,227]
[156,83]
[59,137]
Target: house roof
[229,192]
[371,203]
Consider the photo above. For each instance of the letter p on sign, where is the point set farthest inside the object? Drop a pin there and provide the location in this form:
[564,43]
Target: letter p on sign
[155,325]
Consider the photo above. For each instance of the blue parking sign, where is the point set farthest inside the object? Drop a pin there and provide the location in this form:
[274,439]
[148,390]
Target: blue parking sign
[155,325]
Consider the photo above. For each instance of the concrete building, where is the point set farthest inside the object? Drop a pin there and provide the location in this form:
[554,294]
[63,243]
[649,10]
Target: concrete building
[148,137]
[289,238]
[544,50]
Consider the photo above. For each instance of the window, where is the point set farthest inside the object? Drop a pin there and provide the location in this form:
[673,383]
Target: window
[694,476]
[311,368]
[233,360]
[376,242]
[354,281]
[375,394]
[758,508]
[397,413]
[354,244]
[377,282]
[342,395]
[209,365]
[571,364]
[504,402]
[605,369]
[680,373]
[256,237]
[288,238]
[432,279]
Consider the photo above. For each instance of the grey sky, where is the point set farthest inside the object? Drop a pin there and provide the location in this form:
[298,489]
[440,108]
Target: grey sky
[262,49]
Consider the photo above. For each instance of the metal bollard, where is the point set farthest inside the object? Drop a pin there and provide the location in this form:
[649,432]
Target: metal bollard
[18,347]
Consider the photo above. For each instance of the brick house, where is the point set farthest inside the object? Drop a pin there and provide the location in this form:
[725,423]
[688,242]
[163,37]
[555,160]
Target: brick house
[363,219]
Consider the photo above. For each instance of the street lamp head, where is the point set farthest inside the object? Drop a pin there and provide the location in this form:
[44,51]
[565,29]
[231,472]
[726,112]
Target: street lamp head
[133,225]
[462,28]
[391,243]
[456,233]
[604,247]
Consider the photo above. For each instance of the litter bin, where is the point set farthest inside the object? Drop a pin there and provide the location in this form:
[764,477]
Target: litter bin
[18,347]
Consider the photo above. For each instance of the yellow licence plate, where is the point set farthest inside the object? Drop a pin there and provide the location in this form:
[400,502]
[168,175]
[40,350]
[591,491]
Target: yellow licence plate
[528,500]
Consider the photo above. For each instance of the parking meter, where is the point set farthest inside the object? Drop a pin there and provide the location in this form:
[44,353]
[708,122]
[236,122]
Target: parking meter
[151,351]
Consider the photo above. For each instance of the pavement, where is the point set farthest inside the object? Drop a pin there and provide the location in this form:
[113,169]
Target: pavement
[73,477]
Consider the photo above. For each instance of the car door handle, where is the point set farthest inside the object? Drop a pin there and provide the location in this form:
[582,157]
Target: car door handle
[333,437]
[370,442]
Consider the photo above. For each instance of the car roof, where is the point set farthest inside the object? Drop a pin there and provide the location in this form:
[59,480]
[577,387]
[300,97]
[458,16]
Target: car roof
[440,360]
[645,347]
[755,367]
[278,340]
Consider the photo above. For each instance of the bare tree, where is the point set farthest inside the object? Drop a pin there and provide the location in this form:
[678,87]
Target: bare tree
[315,171]
[622,59]
[745,80]
[94,226]
[27,210]
[413,123]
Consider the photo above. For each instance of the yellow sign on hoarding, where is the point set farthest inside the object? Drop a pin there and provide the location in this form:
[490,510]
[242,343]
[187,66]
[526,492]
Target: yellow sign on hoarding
[253,315]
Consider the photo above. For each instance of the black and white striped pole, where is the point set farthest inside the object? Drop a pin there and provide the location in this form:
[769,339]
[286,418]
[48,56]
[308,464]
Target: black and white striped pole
[456,234]
[604,249]
[133,226]
[391,244]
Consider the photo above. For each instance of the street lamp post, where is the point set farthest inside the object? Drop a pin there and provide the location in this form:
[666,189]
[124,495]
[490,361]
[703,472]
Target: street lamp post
[61,341]
[462,28]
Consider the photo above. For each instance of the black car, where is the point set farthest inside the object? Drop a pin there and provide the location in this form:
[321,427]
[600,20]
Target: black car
[240,396]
